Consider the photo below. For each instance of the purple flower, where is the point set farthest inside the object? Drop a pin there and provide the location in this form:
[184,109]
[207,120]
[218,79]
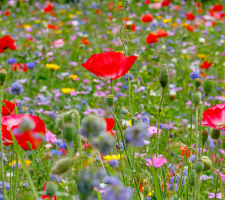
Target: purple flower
[194,75]
[114,163]
[212,195]
[205,177]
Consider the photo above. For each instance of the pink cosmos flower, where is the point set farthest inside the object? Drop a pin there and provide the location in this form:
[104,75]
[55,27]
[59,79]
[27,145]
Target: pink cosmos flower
[214,117]
[212,195]
[58,43]
[158,162]
[221,175]
[153,130]
[50,137]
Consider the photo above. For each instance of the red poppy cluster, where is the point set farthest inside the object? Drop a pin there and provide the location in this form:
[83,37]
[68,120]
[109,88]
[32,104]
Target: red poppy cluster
[153,37]
[6,42]
[190,16]
[22,67]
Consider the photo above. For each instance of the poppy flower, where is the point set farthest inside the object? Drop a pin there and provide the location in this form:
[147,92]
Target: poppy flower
[26,128]
[151,38]
[48,8]
[7,13]
[190,28]
[7,108]
[214,117]
[130,26]
[46,196]
[176,7]
[110,5]
[147,2]
[161,33]
[166,3]
[109,125]
[183,149]
[85,41]
[6,42]
[198,5]
[58,43]
[147,18]
[51,26]
[206,65]
[109,65]
[20,66]
[190,16]
[98,12]
[217,8]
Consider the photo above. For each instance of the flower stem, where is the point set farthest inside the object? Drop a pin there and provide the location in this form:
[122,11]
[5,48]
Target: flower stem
[159,111]
[101,162]
[191,124]
[196,193]
[200,130]
[15,180]
[111,81]
[196,130]
[221,186]
[1,144]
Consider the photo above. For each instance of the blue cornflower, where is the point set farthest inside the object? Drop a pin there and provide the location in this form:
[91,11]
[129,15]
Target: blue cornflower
[54,177]
[145,117]
[114,163]
[31,65]
[25,184]
[192,158]
[194,75]
[131,77]
[16,88]
[109,179]
[211,143]
[11,61]
[125,87]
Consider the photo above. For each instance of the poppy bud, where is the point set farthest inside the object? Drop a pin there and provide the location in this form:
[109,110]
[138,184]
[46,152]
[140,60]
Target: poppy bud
[164,76]
[124,111]
[204,136]
[192,178]
[172,153]
[3,74]
[198,82]
[215,134]
[223,144]
[142,107]
[207,86]
[146,190]
[110,100]
[199,166]
[62,166]
[207,163]
[51,188]
[68,132]
[196,97]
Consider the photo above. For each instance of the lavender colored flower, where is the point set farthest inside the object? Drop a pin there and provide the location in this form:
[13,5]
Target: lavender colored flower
[31,65]
[109,180]
[205,177]
[11,61]
[7,186]
[114,163]
[54,177]
[25,184]
[194,75]
[136,134]
[145,117]
[211,143]
[16,88]
[131,77]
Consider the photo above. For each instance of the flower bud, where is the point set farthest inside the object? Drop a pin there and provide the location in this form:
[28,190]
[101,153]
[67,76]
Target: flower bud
[198,82]
[207,163]
[199,166]
[192,178]
[62,166]
[172,153]
[110,100]
[196,97]
[146,190]
[51,188]
[204,137]
[207,86]
[124,111]
[68,132]
[223,144]
[3,75]
[215,134]
[164,76]
[142,107]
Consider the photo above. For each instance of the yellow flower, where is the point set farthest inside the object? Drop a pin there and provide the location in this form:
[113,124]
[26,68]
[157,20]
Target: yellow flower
[108,32]
[37,21]
[150,193]
[185,56]
[67,90]
[120,3]
[71,16]
[130,122]
[27,162]
[159,17]
[184,24]
[173,24]
[79,13]
[52,66]
[27,26]
[167,20]
[157,0]
[62,11]
[201,55]
[73,77]
[113,157]
[58,32]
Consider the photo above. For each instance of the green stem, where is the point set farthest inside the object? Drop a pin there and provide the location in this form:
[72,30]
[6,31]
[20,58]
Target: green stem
[129,94]
[16,105]
[111,81]
[200,130]
[221,186]
[217,177]
[121,28]
[196,193]
[15,179]
[101,162]
[1,144]
[191,124]
[196,130]
[159,111]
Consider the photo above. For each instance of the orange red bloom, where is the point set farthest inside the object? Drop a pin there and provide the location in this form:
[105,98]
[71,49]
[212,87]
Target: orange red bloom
[151,38]
[6,42]
[206,65]
[147,18]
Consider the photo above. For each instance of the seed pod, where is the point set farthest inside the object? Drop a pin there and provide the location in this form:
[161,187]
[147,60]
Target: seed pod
[196,97]
[146,190]
[199,166]
[164,76]
[215,134]
[110,100]
[207,163]
[3,75]
[192,178]
[142,107]
[68,132]
[198,82]
[51,188]
[62,166]
[207,86]
[204,136]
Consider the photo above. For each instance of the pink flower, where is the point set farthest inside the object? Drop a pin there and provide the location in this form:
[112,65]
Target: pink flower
[221,175]
[58,43]
[214,117]
[158,162]
[153,130]
[212,195]
[50,137]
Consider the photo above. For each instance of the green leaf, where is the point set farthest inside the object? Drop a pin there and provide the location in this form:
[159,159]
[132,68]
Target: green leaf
[110,169]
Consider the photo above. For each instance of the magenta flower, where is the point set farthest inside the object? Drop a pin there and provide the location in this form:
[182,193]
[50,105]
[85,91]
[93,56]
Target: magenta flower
[158,162]
[153,130]
[50,137]
[212,195]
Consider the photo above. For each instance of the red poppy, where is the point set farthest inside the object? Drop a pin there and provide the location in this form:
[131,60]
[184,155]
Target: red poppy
[147,2]
[130,27]
[7,108]
[161,33]
[109,65]
[20,66]
[183,149]
[147,18]
[109,125]
[111,5]
[46,196]
[98,12]
[206,65]
[48,8]
[166,3]
[85,41]
[198,5]
[51,26]
[190,16]
[176,7]
[190,28]
[151,38]
[217,8]
[32,134]
[7,13]
[110,17]
[6,42]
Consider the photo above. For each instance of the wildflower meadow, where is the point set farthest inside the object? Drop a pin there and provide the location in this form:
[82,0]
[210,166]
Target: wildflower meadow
[112,99]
